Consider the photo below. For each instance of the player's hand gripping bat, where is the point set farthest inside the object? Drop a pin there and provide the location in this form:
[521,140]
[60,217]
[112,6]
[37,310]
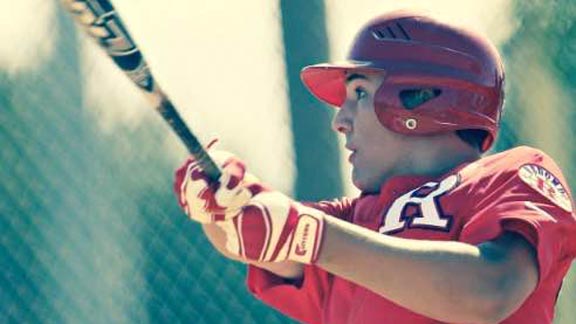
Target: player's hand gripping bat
[100,20]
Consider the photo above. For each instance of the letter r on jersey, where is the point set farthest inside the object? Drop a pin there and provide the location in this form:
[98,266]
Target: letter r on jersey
[425,200]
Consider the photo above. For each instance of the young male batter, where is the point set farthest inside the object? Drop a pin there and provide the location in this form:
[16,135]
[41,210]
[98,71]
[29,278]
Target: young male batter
[439,234]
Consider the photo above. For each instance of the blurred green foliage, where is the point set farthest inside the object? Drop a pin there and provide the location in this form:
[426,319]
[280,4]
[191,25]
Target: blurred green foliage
[540,110]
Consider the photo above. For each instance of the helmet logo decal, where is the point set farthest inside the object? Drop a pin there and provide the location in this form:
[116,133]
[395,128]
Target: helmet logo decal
[412,98]
[387,32]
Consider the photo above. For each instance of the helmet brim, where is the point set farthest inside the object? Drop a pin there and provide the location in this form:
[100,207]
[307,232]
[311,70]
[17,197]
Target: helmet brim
[327,81]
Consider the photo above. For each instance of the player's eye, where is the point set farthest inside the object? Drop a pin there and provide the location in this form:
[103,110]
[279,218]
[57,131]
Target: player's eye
[360,93]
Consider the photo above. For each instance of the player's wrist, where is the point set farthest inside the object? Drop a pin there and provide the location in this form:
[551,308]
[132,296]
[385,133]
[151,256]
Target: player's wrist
[307,235]
[274,228]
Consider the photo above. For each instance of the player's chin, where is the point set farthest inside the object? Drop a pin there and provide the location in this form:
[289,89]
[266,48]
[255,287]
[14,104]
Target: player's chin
[364,183]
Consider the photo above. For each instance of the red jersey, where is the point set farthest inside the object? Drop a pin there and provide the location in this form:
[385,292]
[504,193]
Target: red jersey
[521,190]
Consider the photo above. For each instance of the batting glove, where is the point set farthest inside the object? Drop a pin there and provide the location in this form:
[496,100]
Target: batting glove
[274,228]
[206,201]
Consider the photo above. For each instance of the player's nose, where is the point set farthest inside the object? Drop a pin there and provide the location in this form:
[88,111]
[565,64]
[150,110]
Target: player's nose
[342,121]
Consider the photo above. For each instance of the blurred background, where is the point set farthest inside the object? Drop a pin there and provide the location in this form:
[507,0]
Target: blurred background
[89,229]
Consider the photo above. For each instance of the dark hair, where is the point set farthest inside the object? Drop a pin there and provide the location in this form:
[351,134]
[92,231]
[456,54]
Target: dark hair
[473,137]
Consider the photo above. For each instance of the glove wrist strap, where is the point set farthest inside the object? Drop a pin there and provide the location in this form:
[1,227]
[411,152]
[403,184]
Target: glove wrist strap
[307,237]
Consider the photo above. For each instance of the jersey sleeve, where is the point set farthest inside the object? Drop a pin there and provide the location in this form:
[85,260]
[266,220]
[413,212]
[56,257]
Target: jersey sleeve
[340,208]
[301,299]
[529,197]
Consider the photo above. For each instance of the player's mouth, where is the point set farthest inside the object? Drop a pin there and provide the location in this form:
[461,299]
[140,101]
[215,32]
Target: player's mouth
[352,155]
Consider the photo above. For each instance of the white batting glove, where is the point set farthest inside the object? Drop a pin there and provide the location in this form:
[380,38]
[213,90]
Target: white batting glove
[274,228]
[206,201]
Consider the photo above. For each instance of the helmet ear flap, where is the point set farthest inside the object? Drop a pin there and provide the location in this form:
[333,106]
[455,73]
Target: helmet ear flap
[407,105]
[387,104]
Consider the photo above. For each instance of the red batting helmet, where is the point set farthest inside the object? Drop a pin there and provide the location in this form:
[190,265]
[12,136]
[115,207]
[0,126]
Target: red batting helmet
[438,78]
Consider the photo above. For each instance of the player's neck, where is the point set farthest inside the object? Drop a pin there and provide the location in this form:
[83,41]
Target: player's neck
[442,159]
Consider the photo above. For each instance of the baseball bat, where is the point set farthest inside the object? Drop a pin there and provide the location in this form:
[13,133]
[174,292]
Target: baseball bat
[102,23]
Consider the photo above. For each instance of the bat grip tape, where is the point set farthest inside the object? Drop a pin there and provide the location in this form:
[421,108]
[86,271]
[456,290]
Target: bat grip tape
[169,113]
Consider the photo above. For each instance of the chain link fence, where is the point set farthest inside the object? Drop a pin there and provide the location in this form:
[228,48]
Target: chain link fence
[90,231]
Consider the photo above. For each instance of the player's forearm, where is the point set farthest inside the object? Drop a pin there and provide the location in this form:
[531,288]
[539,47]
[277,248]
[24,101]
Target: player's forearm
[448,281]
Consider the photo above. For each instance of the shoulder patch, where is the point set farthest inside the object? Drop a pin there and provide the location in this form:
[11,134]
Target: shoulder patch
[546,184]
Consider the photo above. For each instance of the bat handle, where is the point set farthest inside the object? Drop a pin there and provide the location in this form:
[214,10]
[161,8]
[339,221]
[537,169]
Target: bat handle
[167,110]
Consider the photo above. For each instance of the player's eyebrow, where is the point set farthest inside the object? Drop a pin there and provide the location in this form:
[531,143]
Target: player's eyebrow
[353,76]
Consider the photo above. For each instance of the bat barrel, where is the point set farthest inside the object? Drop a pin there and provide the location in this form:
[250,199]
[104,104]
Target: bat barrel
[101,21]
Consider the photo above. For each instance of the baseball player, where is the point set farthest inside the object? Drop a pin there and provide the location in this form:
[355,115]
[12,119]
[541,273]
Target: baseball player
[439,234]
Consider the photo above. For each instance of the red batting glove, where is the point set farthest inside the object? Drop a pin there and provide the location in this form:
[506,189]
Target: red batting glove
[274,228]
[206,201]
